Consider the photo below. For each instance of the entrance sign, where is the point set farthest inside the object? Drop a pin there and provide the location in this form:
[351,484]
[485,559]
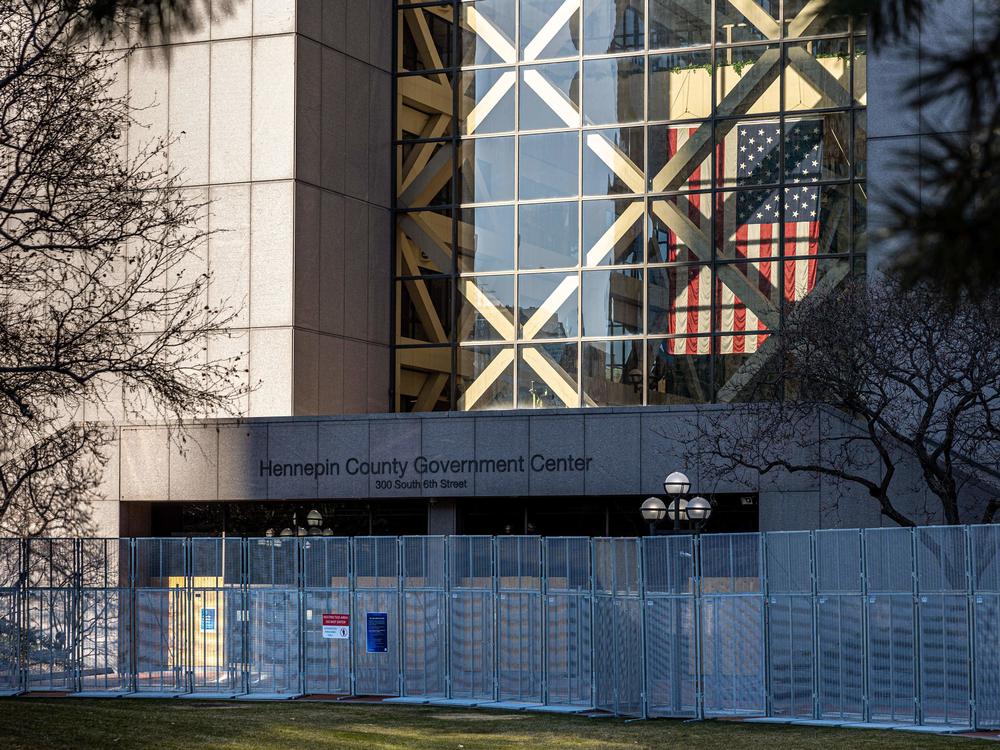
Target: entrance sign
[206,621]
[336,625]
[377,633]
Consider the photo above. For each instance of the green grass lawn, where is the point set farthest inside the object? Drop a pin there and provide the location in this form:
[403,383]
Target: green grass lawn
[124,723]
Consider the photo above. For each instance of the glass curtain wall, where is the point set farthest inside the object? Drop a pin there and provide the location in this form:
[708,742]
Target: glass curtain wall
[616,202]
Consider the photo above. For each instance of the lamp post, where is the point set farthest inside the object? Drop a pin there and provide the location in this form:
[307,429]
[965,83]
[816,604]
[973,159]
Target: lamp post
[313,527]
[695,511]
[315,521]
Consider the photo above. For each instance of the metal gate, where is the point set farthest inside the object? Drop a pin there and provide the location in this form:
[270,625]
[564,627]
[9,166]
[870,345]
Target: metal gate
[671,626]
[272,616]
[519,619]
[472,623]
[890,612]
[424,617]
[791,628]
[161,616]
[839,625]
[618,627]
[326,573]
[985,545]
[10,641]
[103,646]
[217,616]
[943,626]
[376,598]
[10,616]
[732,624]
[568,622]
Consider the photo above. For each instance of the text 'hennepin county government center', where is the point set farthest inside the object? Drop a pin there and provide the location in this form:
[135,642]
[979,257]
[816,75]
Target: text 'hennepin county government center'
[496,257]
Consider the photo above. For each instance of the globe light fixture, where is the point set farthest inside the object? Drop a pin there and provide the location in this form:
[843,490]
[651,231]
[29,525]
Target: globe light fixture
[653,509]
[698,510]
[314,519]
[287,532]
[676,483]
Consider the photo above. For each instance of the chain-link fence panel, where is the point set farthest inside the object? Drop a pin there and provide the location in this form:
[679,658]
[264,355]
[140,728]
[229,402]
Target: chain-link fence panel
[840,625]
[671,625]
[161,639]
[326,604]
[425,616]
[10,640]
[984,541]
[618,627]
[49,639]
[218,622]
[376,609]
[472,623]
[52,563]
[791,627]
[273,642]
[159,563]
[519,618]
[732,624]
[568,622]
[943,626]
[11,563]
[891,620]
[104,563]
[104,640]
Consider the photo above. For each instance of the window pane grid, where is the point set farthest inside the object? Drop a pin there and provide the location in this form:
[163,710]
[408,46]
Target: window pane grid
[622,177]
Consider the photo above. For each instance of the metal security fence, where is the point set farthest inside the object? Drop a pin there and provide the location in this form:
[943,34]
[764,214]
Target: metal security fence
[885,626]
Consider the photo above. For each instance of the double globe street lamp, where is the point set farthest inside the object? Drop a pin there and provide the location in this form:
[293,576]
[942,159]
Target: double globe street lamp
[695,511]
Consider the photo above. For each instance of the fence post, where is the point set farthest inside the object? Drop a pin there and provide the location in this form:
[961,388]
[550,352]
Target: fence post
[543,589]
[356,626]
[133,661]
[971,629]
[21,603]
[495,569]
[593,614]
[918,708]
[866,702]
[814,589]
[301,594]
[74,620]
[766,634]
[400,613]
[643,672]
[699,652]
[446,613]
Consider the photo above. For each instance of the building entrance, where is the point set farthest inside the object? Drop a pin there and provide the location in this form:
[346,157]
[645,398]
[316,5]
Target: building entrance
[492,516]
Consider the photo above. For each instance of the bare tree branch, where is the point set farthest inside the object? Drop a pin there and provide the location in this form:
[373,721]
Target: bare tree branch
[104,297]
[871,375]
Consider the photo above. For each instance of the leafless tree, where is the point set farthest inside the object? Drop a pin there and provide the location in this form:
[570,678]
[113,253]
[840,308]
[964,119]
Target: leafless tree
[102,309]
[863,381]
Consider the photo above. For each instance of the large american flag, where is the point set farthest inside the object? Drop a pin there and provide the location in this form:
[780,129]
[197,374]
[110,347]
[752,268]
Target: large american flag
[748,228]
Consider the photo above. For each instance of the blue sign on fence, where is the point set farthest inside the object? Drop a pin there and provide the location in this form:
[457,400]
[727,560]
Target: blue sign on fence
[377,632]
[208,619]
